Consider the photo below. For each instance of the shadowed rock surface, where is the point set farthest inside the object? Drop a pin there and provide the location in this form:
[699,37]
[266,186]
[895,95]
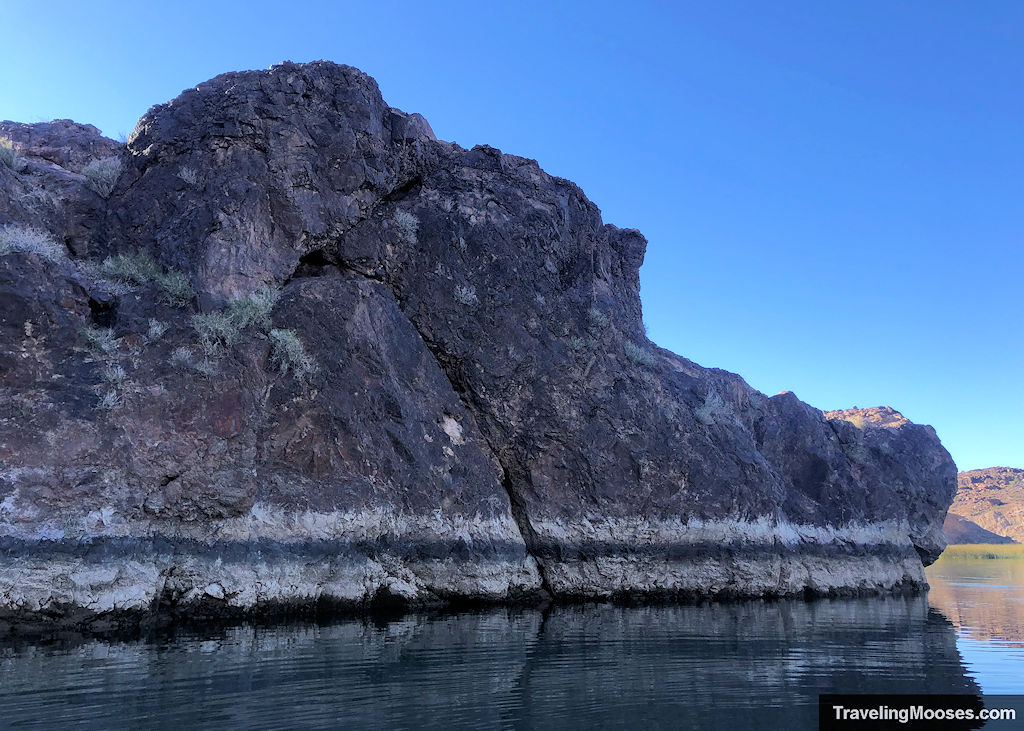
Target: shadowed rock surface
[993,498]
[295,349]
[959,530]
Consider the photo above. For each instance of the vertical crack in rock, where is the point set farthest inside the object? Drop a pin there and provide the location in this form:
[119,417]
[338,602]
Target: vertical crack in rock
[517,505]
[526,529]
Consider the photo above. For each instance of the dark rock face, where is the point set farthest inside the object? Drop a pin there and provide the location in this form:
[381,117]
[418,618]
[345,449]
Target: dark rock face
[446,391]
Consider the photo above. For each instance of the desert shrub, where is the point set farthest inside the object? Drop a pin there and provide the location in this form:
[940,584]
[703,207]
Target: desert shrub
[289,354]
[713,409]
[175,289]
[133,268]
[407,225]
[156,330]
[580,345]
[29,240]
[44,203]
[108,401]
[114,374]
[223,328]
[9,155]
[465,294]
[182,358]
[254,309]
[100,340]
[596,319]
[206,367]
[139,268]
[217,330]
[190,176]
[639,355]
[101,175]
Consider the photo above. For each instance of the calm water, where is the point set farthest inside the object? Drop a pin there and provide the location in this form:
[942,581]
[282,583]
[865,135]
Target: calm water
[736,666]
[984,600]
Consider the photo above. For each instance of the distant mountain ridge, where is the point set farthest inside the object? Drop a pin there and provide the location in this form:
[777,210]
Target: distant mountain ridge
[991,501]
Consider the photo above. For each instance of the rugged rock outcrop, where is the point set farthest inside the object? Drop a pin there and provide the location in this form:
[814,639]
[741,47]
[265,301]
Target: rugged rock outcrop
[993,498]
[285,346]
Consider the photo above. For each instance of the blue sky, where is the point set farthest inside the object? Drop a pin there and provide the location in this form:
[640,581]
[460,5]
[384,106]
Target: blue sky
[833,192]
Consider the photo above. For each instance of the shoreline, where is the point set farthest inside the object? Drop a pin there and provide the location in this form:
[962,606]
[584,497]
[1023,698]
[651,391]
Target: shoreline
[139,625]
[96,593]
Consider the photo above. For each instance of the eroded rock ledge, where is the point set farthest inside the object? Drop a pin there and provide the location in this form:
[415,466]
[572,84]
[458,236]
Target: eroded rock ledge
[286,347]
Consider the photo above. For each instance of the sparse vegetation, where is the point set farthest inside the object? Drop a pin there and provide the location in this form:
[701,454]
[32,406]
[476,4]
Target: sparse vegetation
[206,367]
[976,551]
[465,294]
[182,358]
[156,330]
[102,343]
[29,240]
[581,345]
[596,319]
[217,330]
[254,309]
[45,203]
[289,354]
[132,268]
[223,328]
[185,359]
[114,374]
[9,155]
[190,176]
[101,175]
[140,268]
[639,355]
[109,401]
[100,340]
[713,409]
[175,289]
[407,225]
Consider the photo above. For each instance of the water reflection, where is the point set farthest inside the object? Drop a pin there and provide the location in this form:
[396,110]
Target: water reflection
[984,599]
[747,665]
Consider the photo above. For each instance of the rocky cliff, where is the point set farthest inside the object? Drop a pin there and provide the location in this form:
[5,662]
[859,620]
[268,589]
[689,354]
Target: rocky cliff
[286,348]
[992,498]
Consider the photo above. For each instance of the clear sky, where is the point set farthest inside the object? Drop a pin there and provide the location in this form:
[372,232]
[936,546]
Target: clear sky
[833,192]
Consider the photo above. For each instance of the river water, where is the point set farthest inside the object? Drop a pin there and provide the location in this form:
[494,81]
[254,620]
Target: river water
[734,666]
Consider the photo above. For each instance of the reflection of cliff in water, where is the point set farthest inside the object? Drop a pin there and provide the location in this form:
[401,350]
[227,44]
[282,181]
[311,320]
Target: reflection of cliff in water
[744,665]
[983,598]
[764,663]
